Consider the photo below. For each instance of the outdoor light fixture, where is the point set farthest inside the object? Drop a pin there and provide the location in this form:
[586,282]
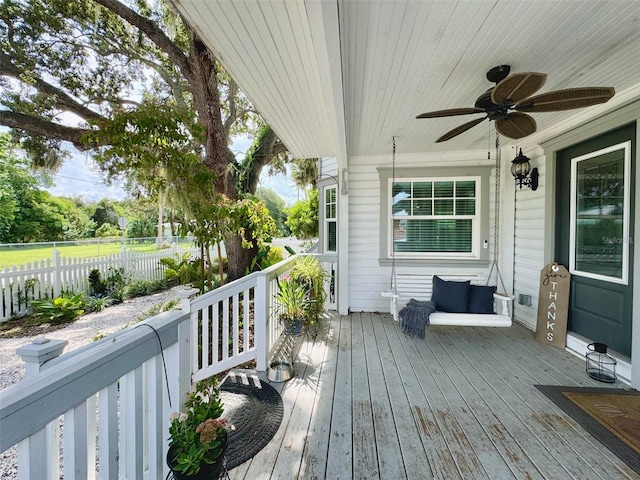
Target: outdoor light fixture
[521,171]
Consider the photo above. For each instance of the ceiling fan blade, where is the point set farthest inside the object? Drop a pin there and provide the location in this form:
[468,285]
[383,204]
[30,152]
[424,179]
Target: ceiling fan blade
[450,112]
[517,87]
[516,125]
[566,99]
[460,129]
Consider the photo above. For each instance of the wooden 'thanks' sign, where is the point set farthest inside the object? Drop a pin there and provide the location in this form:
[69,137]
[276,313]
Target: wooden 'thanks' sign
[553,305]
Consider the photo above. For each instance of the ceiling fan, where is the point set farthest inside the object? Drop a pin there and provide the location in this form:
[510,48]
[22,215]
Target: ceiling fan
[511,96]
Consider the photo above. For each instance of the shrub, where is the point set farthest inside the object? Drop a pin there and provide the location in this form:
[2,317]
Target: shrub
[181,269]
[97,285]
[140,288]
[97,304]
[59,310]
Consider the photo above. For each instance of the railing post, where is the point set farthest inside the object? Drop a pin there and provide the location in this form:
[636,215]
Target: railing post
[36,353]
[38,454]
[57,274]
[260,325]
[185,337]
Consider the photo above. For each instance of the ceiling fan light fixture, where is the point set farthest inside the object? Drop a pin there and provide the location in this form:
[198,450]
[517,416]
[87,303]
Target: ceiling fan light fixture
[522,172]
[505,102]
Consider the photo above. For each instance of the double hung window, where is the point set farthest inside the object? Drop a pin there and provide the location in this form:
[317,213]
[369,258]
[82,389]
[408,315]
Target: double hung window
[435,217]
[330,219]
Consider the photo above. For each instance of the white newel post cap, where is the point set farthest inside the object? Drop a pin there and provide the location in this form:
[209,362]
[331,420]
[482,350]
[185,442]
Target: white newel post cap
[40,350]
[185,296]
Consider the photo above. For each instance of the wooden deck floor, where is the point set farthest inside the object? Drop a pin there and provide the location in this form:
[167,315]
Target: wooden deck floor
[369,402]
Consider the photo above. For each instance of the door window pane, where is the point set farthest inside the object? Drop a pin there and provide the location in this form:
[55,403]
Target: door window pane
[600,216]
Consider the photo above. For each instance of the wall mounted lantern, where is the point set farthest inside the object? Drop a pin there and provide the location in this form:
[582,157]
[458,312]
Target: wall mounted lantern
[521,171]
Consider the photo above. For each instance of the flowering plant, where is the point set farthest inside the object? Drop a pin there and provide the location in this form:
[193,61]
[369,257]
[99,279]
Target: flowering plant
[293,298]
[197,435]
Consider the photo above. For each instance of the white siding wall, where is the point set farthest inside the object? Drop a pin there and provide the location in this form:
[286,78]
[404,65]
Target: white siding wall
[528,259]
[328,166]
[367,278]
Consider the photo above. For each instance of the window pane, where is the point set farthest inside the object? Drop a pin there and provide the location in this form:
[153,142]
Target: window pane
[443,207]
[422,207]
[402,208]
[443,189]
[466,206]
[401,190]
[332,236]
[422,190]
[599,228]
[330,211]
[432,235]
[466,189]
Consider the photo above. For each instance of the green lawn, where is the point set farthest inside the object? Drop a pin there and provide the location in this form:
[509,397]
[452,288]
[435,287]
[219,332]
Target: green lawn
[22,254]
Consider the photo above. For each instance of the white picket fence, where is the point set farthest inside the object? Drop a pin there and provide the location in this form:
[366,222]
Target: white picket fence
[49,278]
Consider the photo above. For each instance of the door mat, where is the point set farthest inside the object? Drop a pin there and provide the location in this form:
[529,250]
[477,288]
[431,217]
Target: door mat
[254,411]
[612,415]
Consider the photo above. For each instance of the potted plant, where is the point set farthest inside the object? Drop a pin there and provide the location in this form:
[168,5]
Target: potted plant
[308,273]
[294,303]
[198,437]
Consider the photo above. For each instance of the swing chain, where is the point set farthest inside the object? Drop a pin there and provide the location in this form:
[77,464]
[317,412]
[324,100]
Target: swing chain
[496,220]
[393,283]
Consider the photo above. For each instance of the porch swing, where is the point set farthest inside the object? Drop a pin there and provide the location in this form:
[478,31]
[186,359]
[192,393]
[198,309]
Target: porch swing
[501,316]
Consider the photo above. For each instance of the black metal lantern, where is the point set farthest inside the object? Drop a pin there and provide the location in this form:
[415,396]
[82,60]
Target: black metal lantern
[600,366]
[522,172]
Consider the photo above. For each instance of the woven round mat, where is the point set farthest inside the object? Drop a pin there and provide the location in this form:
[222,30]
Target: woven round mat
[254,410]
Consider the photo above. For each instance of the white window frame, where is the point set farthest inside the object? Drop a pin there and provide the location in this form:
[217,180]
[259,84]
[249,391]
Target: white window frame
[327,220]
[624,278]
[476,220]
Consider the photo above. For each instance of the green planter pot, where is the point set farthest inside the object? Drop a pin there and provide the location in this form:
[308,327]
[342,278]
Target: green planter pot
[208,471]
[293,327]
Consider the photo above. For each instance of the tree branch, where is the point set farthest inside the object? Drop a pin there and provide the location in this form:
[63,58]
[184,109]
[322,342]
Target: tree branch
[63,100]
[38,126]
[233,108]
[155,34]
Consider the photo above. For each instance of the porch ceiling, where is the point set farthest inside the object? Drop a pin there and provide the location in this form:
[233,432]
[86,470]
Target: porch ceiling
[345,75]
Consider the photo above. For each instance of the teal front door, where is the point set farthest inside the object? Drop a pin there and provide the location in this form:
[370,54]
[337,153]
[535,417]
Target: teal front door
[594,221]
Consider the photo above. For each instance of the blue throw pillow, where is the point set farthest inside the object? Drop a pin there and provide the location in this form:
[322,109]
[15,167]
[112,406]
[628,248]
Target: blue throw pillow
[481,299]
[450,297]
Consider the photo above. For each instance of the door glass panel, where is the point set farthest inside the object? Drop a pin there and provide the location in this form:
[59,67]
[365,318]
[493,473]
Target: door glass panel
[600,214]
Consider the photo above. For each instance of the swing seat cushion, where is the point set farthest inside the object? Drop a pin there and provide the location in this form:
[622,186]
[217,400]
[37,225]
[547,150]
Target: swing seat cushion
[481,299]
[449,296]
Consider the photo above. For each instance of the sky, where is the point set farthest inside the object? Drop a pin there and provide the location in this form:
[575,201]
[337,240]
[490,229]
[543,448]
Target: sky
[80,177]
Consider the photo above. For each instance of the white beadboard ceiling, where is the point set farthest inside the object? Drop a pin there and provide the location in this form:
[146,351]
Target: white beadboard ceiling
[337,77]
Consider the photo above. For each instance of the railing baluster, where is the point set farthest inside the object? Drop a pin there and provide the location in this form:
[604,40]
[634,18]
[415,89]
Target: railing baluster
[108,427]
[225,329]
[155,433]
[32,457]
[75,443]
[131,436]
[235,319]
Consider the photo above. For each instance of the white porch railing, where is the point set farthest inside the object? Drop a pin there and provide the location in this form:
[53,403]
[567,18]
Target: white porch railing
[103,411]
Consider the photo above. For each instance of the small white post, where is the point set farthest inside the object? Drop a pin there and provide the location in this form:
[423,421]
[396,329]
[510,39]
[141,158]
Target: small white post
[57,274]
[36,353]
[38,454]
[185,298]
[125,260]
